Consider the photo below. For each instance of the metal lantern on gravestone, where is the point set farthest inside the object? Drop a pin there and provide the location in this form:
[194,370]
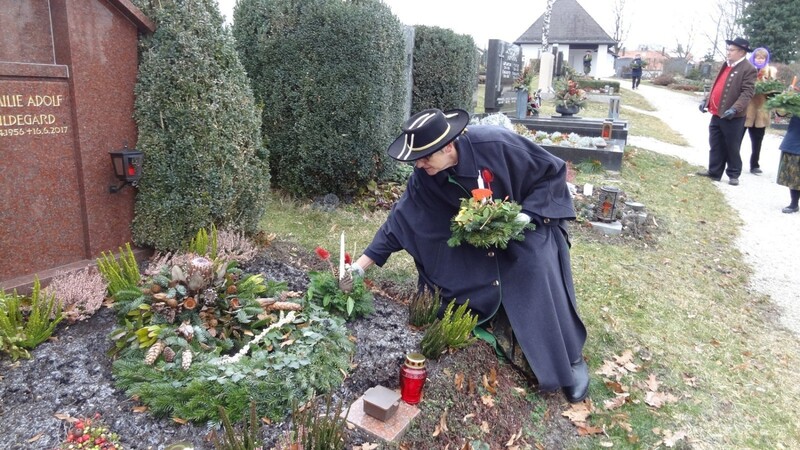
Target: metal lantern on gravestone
[607,204]
[127,164]
[613,107]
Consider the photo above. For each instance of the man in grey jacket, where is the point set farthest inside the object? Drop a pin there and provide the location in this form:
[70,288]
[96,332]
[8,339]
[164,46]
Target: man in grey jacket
[727,103]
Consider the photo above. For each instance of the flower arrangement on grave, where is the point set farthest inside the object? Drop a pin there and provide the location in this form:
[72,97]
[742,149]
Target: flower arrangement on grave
[568,92]
[785,103]
[560,139]
[523,81]
[534,103]
[191,331]
[486,222]
[91,433]
[337,291]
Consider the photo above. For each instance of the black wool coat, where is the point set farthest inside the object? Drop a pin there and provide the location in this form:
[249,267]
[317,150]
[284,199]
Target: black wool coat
[532,278]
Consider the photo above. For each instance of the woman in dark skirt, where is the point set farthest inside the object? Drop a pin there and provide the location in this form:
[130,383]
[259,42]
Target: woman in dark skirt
[789,169]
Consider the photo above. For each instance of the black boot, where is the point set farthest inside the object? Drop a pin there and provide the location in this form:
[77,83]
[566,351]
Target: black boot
[795,196]
[578,391]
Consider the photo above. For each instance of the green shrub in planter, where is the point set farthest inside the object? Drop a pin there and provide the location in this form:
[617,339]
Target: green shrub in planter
[329,74]
[198,128]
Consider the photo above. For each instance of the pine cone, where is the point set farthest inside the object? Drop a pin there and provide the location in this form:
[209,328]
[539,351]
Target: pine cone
[346,283]
[186,359]
[153,352]
[169,354]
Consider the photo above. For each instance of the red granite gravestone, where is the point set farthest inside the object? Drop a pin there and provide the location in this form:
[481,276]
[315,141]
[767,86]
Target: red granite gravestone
[67,73]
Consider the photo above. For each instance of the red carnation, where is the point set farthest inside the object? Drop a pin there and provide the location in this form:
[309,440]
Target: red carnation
[322,253]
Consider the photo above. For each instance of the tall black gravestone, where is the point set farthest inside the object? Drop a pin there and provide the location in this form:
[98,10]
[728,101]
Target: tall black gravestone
[503,67]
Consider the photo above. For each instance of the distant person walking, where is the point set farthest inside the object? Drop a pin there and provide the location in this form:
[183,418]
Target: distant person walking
[587,62]
[757,117]
[636,71]
[727,102]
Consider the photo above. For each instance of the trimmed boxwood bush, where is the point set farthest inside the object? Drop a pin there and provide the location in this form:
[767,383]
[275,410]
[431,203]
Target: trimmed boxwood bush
[445,69]
[198,128]
[598,84]
[329,74]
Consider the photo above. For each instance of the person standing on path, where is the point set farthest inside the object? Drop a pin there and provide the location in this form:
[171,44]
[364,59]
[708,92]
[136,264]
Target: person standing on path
[730,94]
[525,292]
[636,71]
[757,117]
[789,168]
[587,62]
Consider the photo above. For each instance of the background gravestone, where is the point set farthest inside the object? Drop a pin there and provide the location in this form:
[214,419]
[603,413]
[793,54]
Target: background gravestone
[503,67]
[67,73]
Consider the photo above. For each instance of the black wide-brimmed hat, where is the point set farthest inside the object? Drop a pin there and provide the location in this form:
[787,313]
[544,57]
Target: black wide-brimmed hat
[740,42]
[427,132]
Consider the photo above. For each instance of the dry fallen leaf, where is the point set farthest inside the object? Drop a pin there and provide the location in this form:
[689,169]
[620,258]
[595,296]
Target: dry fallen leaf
[488,400]
[615,402]
[66,417]
[459,381]
[140,409]
[587,430]
[652,383]
[616,387]
[485,427]
[488,386]
[578,412]
[468,416]
[180,421]
[513,438]
[35,438]
[368,446]
[659,399]
[673,439]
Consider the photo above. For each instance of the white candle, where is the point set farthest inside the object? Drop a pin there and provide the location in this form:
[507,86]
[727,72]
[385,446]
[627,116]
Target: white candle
[480,181]
[341,257]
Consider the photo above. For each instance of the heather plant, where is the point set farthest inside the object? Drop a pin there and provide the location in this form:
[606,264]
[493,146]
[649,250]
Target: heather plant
[453,330]
[80,293]
[235,246]
[120,274]
[21,331]
[423,307]
[233,439]
[316,428]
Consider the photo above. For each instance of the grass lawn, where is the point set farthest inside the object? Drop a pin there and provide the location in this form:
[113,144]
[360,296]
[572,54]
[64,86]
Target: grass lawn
[682,353]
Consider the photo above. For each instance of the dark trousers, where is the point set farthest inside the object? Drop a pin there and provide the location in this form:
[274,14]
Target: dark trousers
[756,138]
[635,81]
[725,139]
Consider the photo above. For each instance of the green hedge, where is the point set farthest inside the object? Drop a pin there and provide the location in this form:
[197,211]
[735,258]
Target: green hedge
[445,69]
[198,128]
[330,76]
[598,84]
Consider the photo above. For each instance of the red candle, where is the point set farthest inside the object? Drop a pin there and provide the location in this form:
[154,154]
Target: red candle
[412,377]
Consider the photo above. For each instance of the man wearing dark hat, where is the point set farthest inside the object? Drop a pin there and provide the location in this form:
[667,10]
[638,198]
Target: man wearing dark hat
[524,293]
[727,103]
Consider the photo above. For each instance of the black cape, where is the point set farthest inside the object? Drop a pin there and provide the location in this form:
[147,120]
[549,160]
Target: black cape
[532,278]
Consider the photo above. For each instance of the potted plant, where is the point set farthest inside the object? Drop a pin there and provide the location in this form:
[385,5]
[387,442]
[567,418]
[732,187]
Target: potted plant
[522,84]
[569,96]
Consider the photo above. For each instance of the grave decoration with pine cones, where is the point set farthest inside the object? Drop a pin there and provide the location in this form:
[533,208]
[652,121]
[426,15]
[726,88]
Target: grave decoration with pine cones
[178,330]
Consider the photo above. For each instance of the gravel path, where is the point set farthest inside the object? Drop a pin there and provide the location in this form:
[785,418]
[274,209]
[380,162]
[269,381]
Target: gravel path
[768,238]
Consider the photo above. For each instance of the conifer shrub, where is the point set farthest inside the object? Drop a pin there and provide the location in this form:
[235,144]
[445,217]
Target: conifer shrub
[329,74]
[445,69]
[198,128]
[21,328]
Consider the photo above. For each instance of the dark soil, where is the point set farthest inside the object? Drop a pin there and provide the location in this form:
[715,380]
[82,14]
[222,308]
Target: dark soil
[71,375]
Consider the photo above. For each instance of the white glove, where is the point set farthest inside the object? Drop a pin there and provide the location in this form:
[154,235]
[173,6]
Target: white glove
[355,270]
[522,217]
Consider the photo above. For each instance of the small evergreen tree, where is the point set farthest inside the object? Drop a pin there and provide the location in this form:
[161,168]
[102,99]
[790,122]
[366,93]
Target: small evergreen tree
[330,76]
[198,127]
[445,69]
[773,24]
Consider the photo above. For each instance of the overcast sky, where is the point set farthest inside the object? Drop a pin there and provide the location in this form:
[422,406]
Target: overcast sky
[655,23]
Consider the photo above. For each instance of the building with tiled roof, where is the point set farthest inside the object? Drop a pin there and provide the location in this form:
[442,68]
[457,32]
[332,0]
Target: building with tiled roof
[573,31]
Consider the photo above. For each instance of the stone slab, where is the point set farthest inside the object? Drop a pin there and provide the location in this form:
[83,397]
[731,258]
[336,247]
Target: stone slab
[609,229]
[389,431]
